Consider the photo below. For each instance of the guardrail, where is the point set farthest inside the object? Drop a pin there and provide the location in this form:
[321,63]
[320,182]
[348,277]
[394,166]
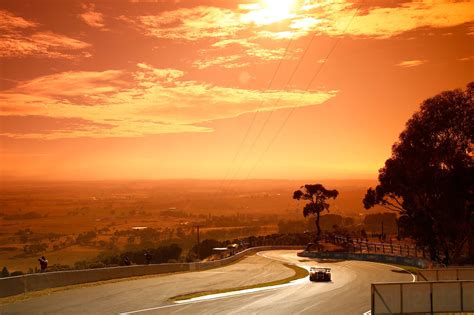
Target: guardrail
[407,261]
[445,274]
[39,281]
[422,297]
[361,246]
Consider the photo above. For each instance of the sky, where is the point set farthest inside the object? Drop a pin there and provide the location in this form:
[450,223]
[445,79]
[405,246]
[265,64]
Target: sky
[224,90]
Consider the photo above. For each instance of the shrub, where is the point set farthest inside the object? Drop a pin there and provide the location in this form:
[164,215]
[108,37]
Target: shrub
[5,273]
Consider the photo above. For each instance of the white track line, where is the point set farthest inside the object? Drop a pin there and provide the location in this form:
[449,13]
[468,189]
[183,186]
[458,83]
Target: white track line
[413,280]
[212,297]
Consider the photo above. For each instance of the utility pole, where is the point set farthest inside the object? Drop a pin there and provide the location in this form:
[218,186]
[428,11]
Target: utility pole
[382,237]
[198,242]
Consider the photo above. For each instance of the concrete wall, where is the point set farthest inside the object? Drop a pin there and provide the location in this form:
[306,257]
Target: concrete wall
[423,297]
[39,281]
[407,261]
[445,274]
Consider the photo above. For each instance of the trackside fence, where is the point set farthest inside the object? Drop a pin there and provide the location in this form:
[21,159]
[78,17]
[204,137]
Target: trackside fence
[356,245]
[445,274]
[389,259]
[423,297]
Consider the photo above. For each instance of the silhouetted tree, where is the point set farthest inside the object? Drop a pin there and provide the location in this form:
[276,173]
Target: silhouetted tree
[429,178]
[317,196]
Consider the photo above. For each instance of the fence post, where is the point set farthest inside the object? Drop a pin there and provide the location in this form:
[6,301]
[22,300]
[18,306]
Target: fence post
[372,306]
[431,298]
[401,298]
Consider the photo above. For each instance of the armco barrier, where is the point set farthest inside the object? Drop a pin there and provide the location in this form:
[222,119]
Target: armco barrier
[422,297]
[407,261]
[445,274]
[39,281]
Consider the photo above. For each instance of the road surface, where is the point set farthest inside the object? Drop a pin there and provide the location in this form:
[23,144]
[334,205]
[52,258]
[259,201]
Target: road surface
[348,293]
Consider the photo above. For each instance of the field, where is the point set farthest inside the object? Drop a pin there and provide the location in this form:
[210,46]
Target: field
[73,221]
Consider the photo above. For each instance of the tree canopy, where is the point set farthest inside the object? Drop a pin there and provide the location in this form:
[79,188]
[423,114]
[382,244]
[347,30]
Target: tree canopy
[316,195]
[428,179]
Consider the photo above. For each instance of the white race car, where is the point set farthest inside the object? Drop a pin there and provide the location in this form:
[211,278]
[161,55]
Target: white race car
[319,274]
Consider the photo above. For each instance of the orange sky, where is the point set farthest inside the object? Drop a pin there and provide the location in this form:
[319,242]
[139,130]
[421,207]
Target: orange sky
[169,89]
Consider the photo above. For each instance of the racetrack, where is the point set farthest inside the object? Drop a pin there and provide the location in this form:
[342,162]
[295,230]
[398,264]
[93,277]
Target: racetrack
[348,293]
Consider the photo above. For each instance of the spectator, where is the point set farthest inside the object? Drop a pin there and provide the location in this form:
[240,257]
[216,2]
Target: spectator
[43,263]
[148,257]
[127,261]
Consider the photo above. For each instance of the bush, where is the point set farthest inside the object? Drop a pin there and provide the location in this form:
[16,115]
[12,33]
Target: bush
[16,273]
[5,273]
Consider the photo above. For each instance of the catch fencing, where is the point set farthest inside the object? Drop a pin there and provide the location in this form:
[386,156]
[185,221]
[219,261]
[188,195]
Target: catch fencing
[423,297]
[356,245]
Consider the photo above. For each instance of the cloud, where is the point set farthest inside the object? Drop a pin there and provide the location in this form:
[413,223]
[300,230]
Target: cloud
[10,22]
[20,38]
[411,63]
[34,125]
[228,62]
[146,101]
[297,19]
[190,23]
[76,87]
[250,25]
[239,53]
[468,58]
[381,22]
[92,18]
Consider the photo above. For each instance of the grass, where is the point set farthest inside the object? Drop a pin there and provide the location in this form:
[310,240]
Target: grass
[299,273]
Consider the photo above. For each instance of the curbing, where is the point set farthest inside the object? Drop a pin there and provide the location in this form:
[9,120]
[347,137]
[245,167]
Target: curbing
[407,261]
[39,281]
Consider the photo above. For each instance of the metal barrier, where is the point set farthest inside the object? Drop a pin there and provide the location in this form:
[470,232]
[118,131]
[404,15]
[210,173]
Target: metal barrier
[422,297]
[399,260]
[445,274]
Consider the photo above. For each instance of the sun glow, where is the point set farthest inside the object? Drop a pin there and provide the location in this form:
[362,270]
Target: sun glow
[270,11]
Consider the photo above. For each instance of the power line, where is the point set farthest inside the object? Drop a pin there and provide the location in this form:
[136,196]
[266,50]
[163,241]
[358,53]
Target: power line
[295,70]
[256,112]
[306,89]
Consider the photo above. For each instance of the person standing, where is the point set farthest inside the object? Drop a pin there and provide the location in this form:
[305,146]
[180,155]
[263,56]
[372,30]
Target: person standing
[148,257]
[127,261]
[43,263]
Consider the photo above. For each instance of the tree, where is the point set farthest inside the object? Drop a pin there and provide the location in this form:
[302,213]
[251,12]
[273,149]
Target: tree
[316,195]
[428,179]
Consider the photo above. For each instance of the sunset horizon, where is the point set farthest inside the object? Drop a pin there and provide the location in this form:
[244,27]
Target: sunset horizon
[219,90]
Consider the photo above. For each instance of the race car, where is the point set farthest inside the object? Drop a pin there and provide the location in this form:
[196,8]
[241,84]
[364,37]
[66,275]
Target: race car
[319,274]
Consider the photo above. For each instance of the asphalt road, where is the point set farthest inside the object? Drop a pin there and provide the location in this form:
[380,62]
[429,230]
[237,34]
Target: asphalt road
[348,293]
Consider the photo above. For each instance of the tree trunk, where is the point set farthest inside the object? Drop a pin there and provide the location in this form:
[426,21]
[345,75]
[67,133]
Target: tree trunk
[318,228]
